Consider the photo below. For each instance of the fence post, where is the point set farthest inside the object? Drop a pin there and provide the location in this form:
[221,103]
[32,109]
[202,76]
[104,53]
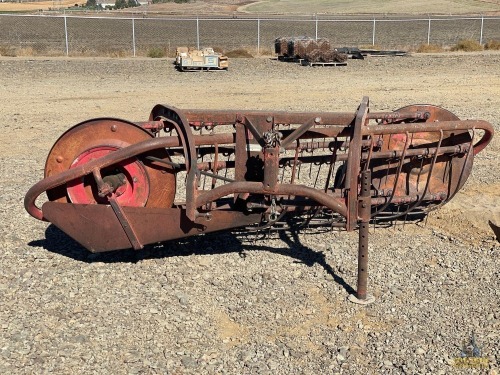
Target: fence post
[258,36]
[66,35]
[373,33]
[197,32]
[316,22]
[429,32]
[481,35]
[133,35]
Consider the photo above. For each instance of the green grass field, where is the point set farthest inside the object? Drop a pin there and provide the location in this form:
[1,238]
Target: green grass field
[374,7]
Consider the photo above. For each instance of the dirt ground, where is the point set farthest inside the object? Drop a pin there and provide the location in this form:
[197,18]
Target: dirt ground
[42,97]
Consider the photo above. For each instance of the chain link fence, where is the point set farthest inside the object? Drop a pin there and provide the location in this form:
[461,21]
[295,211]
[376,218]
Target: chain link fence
[110,36]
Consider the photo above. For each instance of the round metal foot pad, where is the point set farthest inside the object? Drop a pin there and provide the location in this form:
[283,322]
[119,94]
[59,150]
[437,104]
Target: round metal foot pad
[369,299]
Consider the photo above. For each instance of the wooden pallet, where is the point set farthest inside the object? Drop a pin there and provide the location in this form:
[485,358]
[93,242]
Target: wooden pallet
[198,68]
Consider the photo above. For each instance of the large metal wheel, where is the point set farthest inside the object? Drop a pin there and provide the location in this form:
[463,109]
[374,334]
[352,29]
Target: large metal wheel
[143,182]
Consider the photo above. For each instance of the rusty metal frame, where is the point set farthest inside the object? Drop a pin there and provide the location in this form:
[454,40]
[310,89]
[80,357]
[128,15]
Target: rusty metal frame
[360,148]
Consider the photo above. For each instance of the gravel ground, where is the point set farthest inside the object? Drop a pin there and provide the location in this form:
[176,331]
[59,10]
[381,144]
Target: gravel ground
[239,304]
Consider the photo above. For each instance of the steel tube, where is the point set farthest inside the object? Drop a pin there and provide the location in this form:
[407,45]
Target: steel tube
[364,219]
[335,204]
[436,127]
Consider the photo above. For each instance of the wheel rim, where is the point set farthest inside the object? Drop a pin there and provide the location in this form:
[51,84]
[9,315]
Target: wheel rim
[133,192]
[147,183]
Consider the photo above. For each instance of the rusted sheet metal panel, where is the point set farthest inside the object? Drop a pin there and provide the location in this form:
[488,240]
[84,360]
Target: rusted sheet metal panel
[98,229]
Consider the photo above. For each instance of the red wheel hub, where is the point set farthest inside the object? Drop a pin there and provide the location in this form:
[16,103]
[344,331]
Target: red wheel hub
[133,192]
[146,182]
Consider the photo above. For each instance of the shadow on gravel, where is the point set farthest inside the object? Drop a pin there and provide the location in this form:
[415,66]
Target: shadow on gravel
[58,242]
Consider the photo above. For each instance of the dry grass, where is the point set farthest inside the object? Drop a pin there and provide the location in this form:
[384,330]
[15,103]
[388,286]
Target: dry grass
[372,7]
[239,53]
[218,49]
[492,45]
[156,53]
[266,52]
[298,7]
[38,5]
[34,50]
[429,48]
[467,45]
[245,52]
[6,50]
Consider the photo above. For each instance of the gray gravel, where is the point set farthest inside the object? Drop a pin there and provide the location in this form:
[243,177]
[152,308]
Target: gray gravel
[232,303]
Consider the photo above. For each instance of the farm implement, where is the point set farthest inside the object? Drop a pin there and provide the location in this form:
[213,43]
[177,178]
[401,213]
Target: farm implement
[113,184]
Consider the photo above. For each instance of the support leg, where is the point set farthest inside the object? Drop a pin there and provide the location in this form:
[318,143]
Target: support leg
[362,297]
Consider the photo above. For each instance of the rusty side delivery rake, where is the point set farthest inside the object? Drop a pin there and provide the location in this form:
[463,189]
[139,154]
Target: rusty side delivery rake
[113,184]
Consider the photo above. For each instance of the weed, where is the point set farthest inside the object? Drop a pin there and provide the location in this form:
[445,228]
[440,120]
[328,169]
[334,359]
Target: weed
[239,53]
[492,45]
[117,53]
[156,52]
[429,48]
[266,52]
[7,51]
[219,50]
[25,51]
[467,45]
